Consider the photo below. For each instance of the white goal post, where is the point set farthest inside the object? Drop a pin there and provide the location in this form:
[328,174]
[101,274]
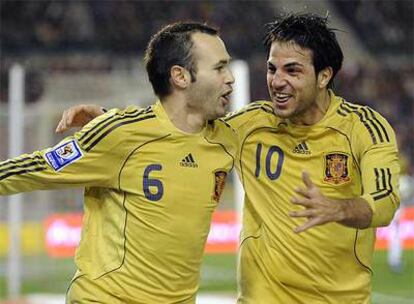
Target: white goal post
[16,129]
[240,98]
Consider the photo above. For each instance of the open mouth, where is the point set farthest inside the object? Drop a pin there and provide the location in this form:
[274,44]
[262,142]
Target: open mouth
[226,96]
[281,97]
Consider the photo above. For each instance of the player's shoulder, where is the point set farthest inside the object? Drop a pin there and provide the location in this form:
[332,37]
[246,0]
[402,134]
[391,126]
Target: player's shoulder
[363,122]
[116,116]
[254,110]
[116,124]
[221,131]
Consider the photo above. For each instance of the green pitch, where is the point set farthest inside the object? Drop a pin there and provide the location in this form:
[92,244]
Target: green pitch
[393,288]
[43,275]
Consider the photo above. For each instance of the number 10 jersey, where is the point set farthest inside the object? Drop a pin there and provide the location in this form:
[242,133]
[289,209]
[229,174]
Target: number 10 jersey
[350,153]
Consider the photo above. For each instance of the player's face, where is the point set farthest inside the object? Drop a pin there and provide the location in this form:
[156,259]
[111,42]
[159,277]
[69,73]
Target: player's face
[291,80]
[210,92]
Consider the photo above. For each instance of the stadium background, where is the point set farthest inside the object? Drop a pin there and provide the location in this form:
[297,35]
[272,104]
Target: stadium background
[91,52]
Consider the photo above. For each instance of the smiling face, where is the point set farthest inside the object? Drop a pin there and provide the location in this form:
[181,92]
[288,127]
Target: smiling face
[213,85]
[295,89]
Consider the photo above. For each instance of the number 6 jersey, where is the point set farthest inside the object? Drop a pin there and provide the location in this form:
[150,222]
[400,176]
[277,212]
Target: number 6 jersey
[150,193]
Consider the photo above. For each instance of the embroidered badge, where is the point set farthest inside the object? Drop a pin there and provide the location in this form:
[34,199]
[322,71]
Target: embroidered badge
[220,181]
[63,155]
[336,168]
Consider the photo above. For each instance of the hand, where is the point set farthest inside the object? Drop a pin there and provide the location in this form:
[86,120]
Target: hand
[78,116]
[318,209]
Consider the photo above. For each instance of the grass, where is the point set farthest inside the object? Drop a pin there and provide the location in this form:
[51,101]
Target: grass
[43,275]
[219,273]
[386,282]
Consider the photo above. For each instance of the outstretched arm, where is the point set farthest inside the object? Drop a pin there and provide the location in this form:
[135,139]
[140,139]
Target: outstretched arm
[320,210]
[86,159]
[78,116]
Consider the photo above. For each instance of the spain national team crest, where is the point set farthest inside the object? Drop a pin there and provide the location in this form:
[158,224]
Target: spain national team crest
[336,168]
[220,181]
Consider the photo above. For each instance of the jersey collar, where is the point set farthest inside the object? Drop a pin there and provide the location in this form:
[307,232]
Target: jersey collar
[166,122]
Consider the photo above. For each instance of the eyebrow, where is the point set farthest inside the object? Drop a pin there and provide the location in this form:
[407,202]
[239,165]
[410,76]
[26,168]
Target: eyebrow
[223,61]
[288,65]
[293,64]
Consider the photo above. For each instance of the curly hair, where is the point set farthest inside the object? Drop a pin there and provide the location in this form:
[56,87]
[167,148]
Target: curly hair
[309,31]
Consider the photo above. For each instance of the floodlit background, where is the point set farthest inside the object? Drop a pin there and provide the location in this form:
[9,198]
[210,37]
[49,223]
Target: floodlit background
[91,52]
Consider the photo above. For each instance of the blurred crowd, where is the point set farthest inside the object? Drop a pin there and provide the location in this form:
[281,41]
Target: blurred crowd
[122,28]
[377,22]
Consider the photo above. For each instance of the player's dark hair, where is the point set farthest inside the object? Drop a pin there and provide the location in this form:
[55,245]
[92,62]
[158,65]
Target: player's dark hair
[172,46]
[309,31]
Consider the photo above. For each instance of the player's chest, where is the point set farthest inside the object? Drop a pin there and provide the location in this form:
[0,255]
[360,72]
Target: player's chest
[274,156]
[176,169]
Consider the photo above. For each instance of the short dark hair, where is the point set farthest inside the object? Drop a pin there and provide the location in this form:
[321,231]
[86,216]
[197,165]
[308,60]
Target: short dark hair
[309,31]
[172,46]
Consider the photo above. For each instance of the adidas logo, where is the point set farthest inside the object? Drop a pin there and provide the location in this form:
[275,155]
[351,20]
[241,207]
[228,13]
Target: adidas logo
[188,161]
[302,148]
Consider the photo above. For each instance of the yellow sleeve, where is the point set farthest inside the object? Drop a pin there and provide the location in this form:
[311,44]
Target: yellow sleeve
[91,157]
[380,168]
[254,115]
[239,120]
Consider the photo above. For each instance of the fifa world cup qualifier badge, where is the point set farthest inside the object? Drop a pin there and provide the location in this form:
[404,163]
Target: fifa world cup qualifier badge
[336,169]
[63,155]
[220,181]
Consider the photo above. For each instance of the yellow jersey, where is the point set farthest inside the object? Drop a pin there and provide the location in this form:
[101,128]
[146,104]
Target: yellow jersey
[350,153]
[150,193]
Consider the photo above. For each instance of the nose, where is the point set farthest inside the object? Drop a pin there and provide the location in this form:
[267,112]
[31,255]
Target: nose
[229,77]
[278,80]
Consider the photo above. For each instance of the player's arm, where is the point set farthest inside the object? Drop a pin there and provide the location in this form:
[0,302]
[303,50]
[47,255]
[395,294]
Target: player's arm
[91,157]
[78,116]
[241,120]
[380,170]
[378,160]
[319,209]
[252,116]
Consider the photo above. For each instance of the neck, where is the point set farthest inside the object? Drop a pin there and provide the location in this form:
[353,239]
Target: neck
[315,112]
[183,116]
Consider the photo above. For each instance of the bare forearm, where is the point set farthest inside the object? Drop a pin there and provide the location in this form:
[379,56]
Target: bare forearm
[355,213]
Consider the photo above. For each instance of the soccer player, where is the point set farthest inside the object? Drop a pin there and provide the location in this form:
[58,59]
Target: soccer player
[319,173]
[349,186]
[152,176]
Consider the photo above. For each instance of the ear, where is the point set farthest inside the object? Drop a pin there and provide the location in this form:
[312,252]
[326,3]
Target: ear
[324,76]
[180,77]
